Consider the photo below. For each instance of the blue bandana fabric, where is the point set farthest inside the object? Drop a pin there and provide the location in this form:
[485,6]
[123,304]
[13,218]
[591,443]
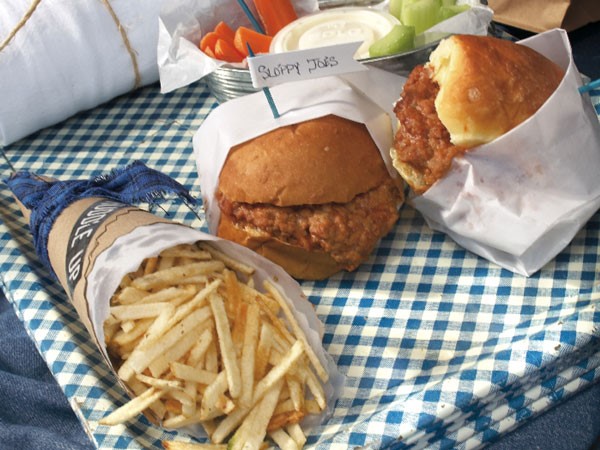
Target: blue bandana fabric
[46,199]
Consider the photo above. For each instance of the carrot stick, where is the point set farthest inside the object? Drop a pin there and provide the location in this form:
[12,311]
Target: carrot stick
[275,14]
[225,31]
[208,51]
[227,52]
[259,42]
[208,41]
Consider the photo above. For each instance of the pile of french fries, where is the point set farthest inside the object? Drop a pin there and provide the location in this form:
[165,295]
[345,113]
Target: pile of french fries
[197,343]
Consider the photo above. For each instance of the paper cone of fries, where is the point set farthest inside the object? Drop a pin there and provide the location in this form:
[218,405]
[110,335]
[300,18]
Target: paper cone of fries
[204,334]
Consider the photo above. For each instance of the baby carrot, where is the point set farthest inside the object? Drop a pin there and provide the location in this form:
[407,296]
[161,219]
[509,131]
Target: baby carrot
[259,43]
[208,41]
[227,52]
[225,31]
[208,51]
[275,14]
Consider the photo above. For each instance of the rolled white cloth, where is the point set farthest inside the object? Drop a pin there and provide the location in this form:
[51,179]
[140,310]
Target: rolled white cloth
[67,56]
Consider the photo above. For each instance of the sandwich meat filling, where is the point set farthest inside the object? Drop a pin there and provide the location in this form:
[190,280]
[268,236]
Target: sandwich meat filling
[422,141]
[348,232]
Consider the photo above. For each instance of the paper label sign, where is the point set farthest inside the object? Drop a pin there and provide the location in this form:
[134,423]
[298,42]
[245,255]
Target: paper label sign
[275,68]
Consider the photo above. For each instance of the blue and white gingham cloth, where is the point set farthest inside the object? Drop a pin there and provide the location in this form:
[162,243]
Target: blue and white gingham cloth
[441,349]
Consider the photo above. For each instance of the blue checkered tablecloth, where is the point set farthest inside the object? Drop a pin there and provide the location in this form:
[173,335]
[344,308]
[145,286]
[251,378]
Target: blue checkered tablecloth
[441,349]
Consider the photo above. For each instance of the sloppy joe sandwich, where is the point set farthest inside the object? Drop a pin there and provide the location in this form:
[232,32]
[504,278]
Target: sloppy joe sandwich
[473,90]
[315,197]
[500,148]
[313,190]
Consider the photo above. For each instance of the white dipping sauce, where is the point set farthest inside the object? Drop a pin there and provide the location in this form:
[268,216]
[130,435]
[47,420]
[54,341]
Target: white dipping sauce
[335,26]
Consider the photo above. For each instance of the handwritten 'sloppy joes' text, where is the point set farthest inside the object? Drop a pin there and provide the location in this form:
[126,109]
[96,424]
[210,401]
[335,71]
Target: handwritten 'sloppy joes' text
[299,68]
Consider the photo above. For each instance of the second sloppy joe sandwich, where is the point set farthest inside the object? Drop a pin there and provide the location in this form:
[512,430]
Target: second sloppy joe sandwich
[499,147]
[473,90]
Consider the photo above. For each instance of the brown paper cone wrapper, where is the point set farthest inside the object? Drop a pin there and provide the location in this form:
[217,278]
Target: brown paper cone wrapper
[80,234]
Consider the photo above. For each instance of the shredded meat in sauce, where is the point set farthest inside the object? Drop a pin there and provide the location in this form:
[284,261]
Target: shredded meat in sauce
[422,141]
[348,232]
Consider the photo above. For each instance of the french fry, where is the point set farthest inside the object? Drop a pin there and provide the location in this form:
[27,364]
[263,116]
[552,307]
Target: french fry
[171,295]
[151,264]
[185,251]
[208,407]
[129,294]
[211,361]
[140,327]
[249,354]
[175,445]
[179,420]
[136,311]
[158,408]
[227,260]
[225,404]
[284,407]
[199,350]
[183,345]
[172,275]
[283,440]
[188,402]
[296,391]
[226,345]
[228,424]
[166,262]
[159,383]
[263,351]
[132,408]
[279,371]
[296,433]
[189,373]
[323,375]
[252,431]
[281,420]
[141,358]
[199,345]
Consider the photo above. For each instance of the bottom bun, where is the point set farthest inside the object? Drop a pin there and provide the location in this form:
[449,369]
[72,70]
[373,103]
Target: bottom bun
[296,261]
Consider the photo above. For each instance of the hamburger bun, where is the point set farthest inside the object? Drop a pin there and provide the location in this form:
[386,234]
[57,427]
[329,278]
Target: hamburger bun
[294,173]
[482,87]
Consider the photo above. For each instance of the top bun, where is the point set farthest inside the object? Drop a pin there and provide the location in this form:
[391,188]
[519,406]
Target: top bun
[323,160]
[488,86]
[314,197]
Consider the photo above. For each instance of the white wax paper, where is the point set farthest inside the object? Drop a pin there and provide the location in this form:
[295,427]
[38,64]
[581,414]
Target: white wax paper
[519,200]
[244,118]
[128,251]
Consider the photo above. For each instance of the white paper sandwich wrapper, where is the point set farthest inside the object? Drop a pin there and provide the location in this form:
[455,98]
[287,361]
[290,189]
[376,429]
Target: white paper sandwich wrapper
[244,118]
[519,200]
[129,250]
[69,56]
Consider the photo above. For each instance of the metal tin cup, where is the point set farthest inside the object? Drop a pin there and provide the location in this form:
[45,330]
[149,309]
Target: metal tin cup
[227,82]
